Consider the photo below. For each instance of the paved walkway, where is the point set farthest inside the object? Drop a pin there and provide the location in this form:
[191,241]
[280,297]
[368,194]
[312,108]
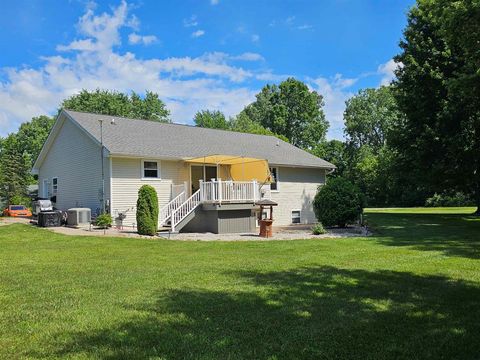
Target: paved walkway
[279,233]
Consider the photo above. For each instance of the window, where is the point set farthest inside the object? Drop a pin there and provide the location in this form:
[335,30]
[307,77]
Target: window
[150,169]
[274,179]
[295,216]
[45,189]
[54,186]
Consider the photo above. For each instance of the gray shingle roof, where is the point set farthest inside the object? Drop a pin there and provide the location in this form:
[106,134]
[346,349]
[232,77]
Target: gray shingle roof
[149,139]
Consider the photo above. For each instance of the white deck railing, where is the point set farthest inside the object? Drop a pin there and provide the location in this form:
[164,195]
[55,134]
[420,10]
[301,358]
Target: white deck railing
[174,204]
[185,209]
[218,191]
[215,191]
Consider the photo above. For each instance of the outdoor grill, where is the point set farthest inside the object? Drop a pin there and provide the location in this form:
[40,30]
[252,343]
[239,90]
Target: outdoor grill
[41,205]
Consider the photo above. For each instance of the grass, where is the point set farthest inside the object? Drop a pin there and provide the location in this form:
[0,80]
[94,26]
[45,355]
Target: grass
[412,291]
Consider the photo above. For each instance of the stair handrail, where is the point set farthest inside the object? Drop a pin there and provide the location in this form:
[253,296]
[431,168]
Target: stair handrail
[185,209]
[173,204]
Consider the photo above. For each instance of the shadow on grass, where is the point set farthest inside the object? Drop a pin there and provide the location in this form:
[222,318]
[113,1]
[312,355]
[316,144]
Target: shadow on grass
[452,234]
[308,313]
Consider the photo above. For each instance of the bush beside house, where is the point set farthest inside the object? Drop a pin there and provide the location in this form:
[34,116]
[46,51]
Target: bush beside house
[338,203]
[104,221]
[147,211]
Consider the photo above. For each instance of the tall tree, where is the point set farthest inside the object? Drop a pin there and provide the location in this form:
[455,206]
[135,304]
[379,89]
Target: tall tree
[438,88]
[31,136]
[369,116]
[213,119]
[118,104]
[292,110]
[334,151]
[243,123]
[14,171]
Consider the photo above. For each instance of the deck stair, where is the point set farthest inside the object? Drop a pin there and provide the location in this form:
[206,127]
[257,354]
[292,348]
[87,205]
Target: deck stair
[181,210]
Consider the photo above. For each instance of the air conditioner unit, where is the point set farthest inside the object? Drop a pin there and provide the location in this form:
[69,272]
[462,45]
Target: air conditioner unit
[79,216]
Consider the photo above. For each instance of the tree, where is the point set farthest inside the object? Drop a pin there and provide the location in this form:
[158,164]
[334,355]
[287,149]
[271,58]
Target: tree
[240,123]
[31,136]
[334,151]
[438,88]
[147,211]
[211,119]
[291,110]
[118,104]
[14,171]
[369,116]
[18,151]
[243,123]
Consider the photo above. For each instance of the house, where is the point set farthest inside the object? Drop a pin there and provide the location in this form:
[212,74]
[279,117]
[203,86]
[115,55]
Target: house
[206,179]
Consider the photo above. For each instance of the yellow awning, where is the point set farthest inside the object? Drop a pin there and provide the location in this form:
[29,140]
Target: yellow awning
[241,168]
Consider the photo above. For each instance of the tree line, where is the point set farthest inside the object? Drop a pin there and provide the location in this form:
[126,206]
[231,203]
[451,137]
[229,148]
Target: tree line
[405,144]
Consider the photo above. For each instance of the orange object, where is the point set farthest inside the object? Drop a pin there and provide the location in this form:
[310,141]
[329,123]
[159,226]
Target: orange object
[266,228]
[17,211]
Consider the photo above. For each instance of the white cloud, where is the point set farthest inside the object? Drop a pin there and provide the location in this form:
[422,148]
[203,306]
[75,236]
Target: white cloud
[255,38]
[289,20]
[134,38]
[214,2]
[387,71]
[335,92]
[305,27]
[198,33]
[248,56]
[186,84]
[190,22]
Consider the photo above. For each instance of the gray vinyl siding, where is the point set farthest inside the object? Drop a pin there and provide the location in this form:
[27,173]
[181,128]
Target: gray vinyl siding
[296,190]
[127,180]
[236,221]
[74,158]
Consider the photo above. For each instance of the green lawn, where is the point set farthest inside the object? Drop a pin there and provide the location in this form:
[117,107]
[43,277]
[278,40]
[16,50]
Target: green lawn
[412,291]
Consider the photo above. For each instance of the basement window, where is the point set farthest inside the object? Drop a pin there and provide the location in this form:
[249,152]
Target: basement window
[151,170]
[295,216]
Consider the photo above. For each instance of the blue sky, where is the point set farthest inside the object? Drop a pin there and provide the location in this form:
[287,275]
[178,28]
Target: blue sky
[201,54]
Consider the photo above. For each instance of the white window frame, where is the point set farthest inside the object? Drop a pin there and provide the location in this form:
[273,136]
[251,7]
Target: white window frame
[276,179]
[54,190]
[159,169]
[299,216]
[45,189]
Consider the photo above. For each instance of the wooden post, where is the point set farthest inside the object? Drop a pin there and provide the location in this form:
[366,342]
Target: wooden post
[255,190]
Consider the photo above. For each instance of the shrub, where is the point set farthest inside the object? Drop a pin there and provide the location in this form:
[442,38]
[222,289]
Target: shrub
[104,220]
[449,199]
[318,229]
[147,211]
[338,202]
[20,200]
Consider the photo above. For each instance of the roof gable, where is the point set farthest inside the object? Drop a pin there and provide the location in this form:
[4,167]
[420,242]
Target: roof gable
[62,117]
